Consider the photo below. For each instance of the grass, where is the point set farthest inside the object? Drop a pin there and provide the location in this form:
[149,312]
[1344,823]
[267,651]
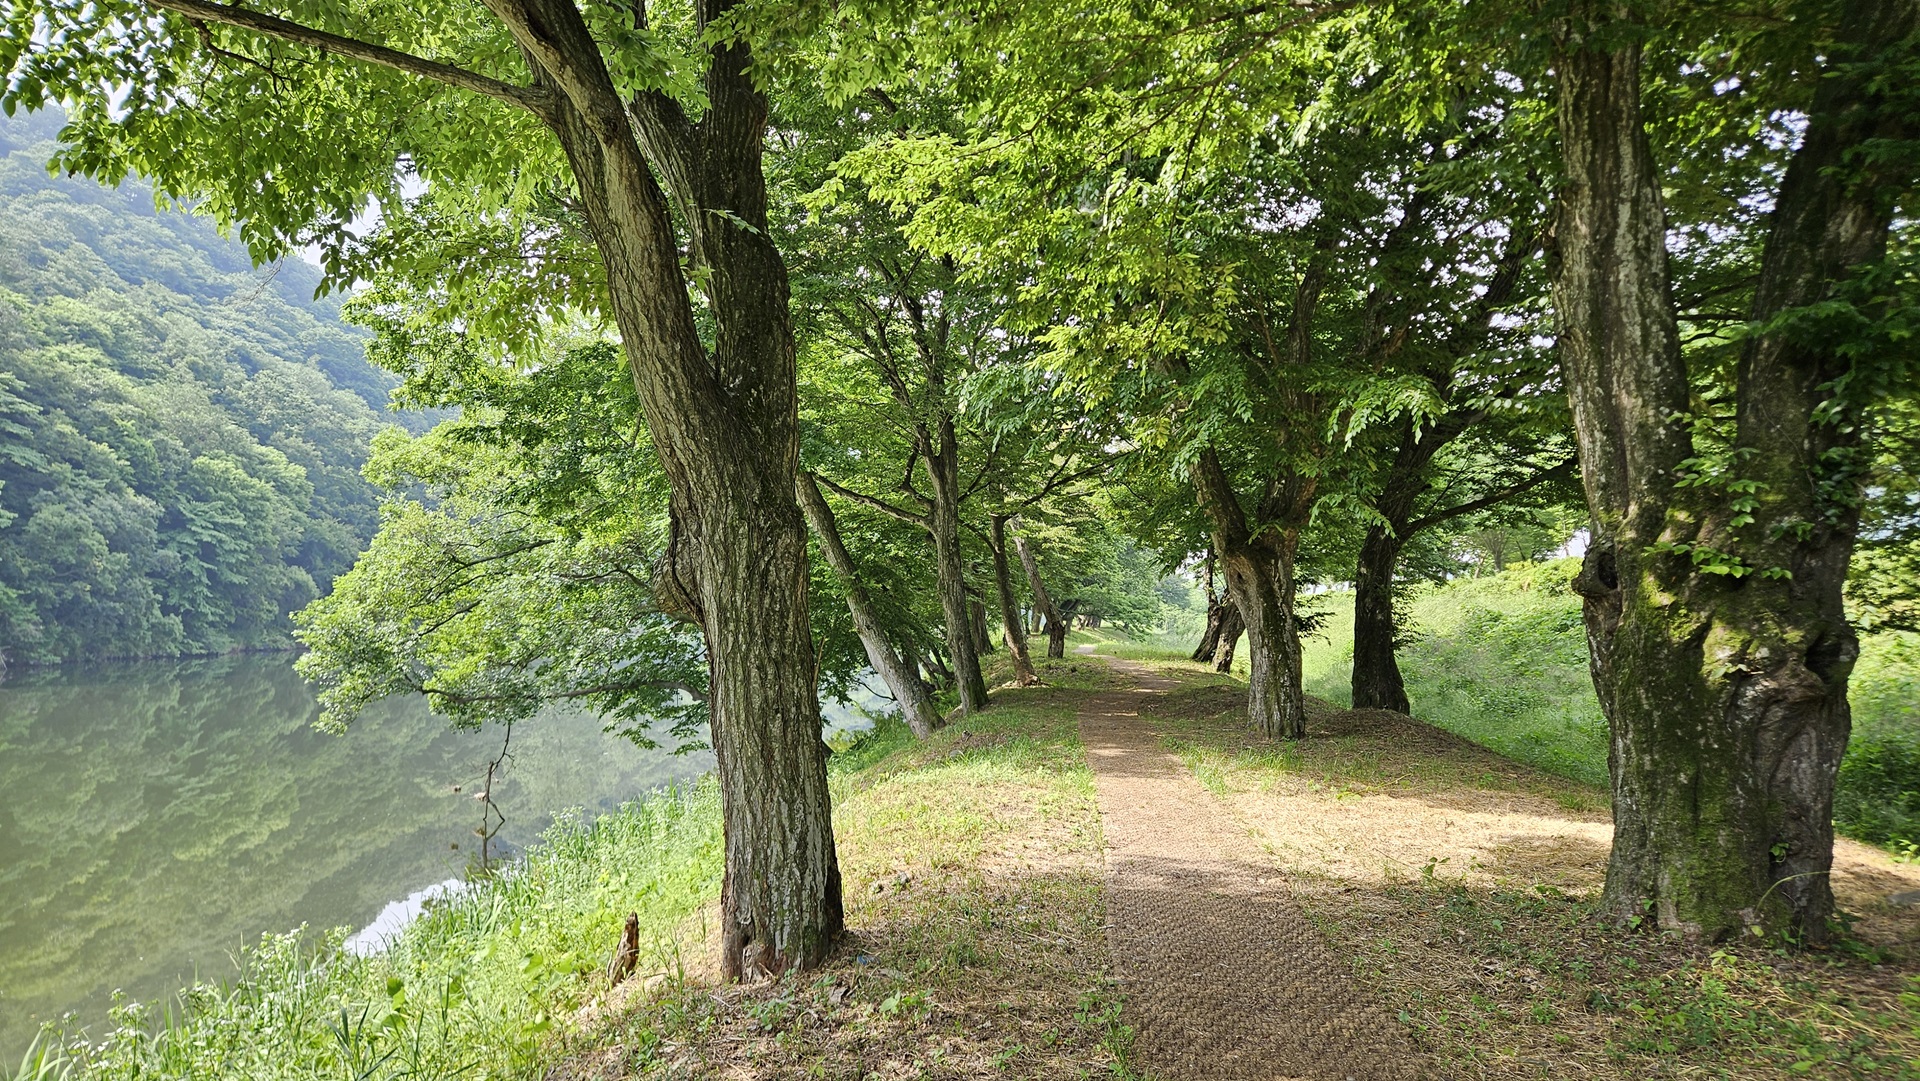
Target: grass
[1502,661]
[973,877]
[473,988]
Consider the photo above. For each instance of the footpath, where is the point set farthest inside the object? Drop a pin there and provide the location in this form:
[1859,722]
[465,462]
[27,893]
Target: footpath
[1224,976]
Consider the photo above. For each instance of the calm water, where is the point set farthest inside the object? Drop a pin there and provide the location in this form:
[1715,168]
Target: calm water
[155,818]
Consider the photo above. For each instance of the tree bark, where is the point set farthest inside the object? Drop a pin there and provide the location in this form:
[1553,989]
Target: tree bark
[1259,571]
[1057,626]
[1228,637]
[977,620]
[724,423]
[1377,683]
[1726,693]
[1216,617]
[916,700]
[1217,611]
[1012,629]
[942,459]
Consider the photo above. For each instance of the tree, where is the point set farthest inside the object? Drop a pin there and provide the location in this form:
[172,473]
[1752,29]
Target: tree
[1713,584]
[1013,629]
[902,678]
[512,564]
[660,128]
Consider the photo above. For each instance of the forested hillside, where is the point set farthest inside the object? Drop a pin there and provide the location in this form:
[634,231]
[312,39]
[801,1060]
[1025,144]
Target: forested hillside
[180,434]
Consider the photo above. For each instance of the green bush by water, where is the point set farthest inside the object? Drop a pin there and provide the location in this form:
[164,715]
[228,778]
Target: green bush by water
[1502,661]
[471,989]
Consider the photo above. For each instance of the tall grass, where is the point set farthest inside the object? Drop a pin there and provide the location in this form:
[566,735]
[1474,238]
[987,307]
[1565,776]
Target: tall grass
[471,989]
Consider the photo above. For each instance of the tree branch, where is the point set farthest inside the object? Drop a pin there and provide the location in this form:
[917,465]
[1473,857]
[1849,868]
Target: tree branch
[570,693]
[880,505]
[529,98]
[1562,469]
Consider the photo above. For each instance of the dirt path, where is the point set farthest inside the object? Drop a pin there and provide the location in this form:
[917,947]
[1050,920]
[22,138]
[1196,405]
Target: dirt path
[1224,977]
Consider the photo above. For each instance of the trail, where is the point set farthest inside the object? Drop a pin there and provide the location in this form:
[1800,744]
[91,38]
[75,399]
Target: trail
[1225,977]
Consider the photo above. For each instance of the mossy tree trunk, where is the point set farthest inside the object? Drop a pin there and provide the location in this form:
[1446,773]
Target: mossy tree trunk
[1719,647]
[1260,576]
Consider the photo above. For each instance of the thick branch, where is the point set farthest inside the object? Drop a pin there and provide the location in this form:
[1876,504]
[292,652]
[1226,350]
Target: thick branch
[529,98]
[569,694]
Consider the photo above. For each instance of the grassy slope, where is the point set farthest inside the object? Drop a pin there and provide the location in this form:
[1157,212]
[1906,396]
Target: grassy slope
[1502,661]
[972,873]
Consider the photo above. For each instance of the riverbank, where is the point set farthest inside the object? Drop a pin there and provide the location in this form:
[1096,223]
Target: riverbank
[1453,886]
[987,832]
[161,816]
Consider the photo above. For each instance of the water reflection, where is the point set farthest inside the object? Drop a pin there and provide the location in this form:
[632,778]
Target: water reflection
[154,818]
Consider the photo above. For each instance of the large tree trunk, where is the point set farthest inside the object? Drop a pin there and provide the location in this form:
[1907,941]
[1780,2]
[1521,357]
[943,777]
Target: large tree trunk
[1259,572]
[724,423]
[916,701]
[1012,629]
[1726,693]
[1376,664]
[1057,626]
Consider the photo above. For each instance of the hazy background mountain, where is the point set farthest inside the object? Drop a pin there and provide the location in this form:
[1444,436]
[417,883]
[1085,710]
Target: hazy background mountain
[180,433]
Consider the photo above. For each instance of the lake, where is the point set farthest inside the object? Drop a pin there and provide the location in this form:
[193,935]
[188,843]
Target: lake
[155,818]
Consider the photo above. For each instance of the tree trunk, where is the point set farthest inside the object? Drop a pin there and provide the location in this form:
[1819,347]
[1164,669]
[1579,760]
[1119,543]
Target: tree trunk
[1043,601]
[1259,570]
[939,672]
[1216,618]
[943,518]
[1217,614]
[977,619]
[724,423]
[1012,630]
[1726,693]
[1227,637]
[916,701]
[1376,665]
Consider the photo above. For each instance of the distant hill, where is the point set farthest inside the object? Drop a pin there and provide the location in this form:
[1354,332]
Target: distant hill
[180,433]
